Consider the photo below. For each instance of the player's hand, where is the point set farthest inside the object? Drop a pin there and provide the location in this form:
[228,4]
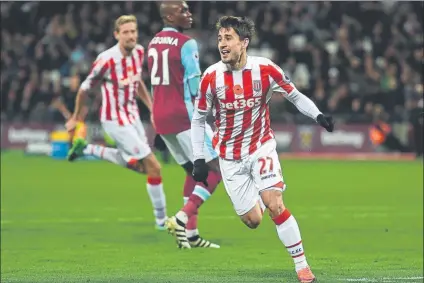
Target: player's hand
[200,171]
[71,124]
[326,122]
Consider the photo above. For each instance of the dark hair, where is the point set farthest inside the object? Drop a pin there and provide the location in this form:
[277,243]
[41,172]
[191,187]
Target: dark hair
[244,27]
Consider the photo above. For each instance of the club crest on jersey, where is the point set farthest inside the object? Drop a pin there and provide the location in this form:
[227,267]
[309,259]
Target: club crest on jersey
[127,81]
[257,85]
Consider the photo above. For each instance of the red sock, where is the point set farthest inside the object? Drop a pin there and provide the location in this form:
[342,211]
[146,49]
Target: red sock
[280,219]
[192,222]
[189,185]
[201,193]
[213,180]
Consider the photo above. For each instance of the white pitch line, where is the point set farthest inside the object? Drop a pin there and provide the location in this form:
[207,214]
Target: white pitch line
[382,279]
[100,220]
[206,217]
[406,278]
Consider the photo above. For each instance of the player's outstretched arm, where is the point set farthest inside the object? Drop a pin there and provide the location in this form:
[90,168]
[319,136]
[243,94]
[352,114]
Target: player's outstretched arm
[96,74]
[282,84]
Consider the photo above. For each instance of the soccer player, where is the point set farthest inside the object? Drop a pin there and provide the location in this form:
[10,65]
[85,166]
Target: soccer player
[173,61]
[119,71]
[238,89]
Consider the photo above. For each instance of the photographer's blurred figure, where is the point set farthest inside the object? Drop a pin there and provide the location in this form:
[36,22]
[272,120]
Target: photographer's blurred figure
[381,132]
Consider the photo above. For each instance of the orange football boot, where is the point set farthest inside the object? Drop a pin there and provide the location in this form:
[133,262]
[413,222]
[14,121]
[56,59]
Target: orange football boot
[305,275]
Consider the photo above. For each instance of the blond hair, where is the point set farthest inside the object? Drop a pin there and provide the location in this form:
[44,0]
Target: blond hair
[124,19]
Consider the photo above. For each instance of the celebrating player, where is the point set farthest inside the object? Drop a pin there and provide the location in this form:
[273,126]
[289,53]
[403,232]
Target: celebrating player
[119,70]
[238,89]
[173,61]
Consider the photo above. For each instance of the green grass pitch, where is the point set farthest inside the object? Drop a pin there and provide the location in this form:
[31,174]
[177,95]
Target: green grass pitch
[92,222]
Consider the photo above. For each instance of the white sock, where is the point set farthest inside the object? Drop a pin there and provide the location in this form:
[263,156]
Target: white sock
[289,233]
[192,233]
[157,197]
[106,153]
[182,216]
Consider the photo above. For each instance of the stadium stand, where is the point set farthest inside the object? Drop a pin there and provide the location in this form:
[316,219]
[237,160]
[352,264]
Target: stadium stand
[351,58]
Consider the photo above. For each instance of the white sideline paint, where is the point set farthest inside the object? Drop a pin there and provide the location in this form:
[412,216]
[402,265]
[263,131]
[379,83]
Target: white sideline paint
[361,212]
[98,220]
[408,279]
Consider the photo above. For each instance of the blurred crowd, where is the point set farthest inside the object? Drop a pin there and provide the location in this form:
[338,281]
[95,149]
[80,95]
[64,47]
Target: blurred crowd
[349,57]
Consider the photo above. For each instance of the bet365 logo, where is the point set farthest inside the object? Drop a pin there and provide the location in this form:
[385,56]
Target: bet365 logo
[241,103]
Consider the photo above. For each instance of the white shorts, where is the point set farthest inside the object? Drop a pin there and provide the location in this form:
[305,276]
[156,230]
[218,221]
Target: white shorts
[245,179]
[181,149]
[131,140]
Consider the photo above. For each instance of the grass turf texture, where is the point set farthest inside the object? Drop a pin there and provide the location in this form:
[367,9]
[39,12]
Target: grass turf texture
[93,222]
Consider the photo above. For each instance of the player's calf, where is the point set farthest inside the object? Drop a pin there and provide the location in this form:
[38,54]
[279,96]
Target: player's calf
[152,166]
[288,231]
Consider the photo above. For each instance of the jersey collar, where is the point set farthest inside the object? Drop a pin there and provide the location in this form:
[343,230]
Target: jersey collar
[169,29]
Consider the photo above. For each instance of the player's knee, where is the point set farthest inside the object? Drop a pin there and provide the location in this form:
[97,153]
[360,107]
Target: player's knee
[135,165]
[252,220]
[252,223]
[188,167]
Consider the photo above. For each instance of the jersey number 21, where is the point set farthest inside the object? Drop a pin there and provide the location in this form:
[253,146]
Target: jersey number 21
[154,77]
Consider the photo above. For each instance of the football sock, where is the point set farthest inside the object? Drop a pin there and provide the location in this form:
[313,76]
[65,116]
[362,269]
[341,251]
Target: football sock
[289,233]
[191,226]
[105,153]
[201,193]
[157,197]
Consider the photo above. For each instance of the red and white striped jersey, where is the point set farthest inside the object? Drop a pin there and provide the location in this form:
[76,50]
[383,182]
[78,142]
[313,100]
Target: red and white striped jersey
[239,100]
[120,78]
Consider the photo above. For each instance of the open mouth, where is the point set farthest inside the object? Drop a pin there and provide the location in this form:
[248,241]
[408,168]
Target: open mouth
[225,52]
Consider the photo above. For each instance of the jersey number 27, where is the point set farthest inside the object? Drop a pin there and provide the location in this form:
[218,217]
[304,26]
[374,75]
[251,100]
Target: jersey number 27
[154,77]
